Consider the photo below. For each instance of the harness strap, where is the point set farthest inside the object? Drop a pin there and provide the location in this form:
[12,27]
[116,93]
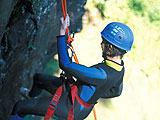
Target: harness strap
[74,94]
[55,100]
[53,103]
[74,89]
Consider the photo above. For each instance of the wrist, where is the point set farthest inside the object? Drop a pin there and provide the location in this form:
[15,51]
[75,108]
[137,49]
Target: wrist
[62,31]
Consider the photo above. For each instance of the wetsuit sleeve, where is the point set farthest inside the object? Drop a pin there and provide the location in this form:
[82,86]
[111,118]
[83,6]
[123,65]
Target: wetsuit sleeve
[90,75]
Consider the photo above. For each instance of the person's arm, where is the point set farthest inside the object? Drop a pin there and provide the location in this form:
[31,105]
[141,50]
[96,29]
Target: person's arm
[90,75]
[64,24]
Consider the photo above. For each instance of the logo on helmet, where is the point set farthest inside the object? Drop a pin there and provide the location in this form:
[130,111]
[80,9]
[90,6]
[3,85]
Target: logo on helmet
[118,29]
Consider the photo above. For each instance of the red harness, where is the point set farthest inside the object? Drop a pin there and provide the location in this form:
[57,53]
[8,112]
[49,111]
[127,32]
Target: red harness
[55,100]
[74,89]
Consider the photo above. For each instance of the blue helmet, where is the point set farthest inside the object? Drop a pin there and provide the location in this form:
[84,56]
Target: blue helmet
[118,34]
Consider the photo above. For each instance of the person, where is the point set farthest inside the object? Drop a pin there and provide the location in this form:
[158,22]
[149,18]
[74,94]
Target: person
[102,80]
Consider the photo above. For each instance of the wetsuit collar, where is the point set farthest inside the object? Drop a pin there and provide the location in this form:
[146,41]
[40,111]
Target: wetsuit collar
[114,65]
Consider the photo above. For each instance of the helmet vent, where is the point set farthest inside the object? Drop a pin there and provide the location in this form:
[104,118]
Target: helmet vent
[120,37]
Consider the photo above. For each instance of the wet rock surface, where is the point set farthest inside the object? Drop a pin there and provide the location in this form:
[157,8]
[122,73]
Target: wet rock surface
[28,30]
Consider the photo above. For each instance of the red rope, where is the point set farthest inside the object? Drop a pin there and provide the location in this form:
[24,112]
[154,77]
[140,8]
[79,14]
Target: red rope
[64,9]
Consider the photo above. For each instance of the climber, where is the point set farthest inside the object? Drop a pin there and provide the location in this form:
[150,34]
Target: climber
[102,80]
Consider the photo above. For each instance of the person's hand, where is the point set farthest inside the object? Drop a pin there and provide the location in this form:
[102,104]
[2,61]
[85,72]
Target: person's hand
[64,24]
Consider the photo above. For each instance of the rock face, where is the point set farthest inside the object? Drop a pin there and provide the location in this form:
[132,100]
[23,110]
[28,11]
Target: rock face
[28,30]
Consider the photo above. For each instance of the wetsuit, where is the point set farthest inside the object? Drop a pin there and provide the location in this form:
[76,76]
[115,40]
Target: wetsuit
[103,80]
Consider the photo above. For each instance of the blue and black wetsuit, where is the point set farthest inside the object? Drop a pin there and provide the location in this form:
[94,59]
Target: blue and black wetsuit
[103,80]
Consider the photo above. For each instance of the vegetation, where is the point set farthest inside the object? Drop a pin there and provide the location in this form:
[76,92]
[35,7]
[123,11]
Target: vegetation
[141,96]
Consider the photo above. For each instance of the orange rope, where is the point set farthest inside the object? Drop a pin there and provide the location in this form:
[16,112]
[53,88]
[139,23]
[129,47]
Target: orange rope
[64,13]
[71,39]
[94,113]
[74,55]
[65,7]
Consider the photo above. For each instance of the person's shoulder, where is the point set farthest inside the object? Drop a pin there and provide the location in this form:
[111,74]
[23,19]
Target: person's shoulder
[98,65]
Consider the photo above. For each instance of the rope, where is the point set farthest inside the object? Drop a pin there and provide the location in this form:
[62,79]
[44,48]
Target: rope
[64,9]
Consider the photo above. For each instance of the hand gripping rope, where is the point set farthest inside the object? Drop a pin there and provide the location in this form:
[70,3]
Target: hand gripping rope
[70,40]
[57,95]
